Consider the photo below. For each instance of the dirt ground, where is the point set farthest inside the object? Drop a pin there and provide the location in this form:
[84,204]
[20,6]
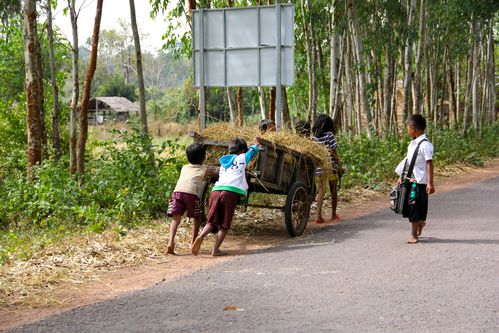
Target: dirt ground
[112,284]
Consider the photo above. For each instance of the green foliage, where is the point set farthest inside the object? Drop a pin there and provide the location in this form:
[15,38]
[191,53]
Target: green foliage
[371,163]
[115,85]
[123,186]
[11,59]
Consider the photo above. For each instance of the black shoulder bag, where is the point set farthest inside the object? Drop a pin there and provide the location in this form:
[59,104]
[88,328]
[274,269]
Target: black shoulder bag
[399,194]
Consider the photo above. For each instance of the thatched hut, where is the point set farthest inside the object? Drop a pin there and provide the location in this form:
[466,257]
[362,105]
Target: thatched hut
[105,109]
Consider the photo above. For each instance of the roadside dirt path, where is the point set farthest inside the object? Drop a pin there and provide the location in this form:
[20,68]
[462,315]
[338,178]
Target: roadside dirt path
[113,284]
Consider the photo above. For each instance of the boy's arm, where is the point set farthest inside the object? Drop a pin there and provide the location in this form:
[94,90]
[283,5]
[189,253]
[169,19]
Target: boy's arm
[429,169]
[212,173]
[253,150]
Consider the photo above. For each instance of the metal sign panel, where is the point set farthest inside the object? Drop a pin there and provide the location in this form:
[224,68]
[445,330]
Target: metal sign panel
[238,46]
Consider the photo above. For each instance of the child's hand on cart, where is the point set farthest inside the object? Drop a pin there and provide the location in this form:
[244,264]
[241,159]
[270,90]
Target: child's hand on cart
[258,140]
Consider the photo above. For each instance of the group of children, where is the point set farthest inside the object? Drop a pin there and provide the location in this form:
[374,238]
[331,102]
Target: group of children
[231,187]
[229,190]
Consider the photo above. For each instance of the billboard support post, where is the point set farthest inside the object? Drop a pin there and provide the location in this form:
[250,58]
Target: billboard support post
[278,66]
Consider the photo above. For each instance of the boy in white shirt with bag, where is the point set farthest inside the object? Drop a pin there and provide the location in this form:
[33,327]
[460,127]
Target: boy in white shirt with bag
[421,178]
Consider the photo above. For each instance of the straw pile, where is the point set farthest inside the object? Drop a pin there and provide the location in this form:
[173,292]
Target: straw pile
[226,132]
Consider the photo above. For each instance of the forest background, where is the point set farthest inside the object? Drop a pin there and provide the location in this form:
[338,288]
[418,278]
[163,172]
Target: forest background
[369,64]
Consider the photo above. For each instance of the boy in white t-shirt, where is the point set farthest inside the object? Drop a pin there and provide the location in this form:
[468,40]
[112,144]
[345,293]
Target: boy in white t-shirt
[228,191]
[417,208]
[185,197]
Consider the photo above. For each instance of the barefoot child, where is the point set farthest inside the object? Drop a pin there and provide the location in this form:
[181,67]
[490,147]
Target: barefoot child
[422,175]
[230,188]
[185,196]
[323,131]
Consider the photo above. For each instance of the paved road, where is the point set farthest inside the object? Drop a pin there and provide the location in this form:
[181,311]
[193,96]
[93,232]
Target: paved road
[358,276]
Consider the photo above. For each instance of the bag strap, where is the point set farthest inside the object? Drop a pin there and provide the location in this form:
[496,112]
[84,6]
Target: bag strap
[413,161]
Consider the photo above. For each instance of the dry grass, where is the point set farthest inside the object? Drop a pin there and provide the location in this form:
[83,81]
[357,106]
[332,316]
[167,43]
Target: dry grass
[287,140]
[30,283]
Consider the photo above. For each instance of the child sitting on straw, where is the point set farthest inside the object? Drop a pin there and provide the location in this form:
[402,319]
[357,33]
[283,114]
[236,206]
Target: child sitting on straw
[323,130]
[185,197]
[302,128]
[266,125]
[230,188]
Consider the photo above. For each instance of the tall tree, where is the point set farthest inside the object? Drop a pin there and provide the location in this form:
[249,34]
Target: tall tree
[140,73]
[34,88]
[75,94]
[358,52]
[411,9]
[56,140]
[82,138]
[419,57]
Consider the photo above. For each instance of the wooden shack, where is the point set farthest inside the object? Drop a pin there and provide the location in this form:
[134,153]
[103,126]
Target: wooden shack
[109,109]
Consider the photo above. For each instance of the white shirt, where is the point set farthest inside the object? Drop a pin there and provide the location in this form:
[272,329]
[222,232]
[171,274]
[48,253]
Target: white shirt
[425,153]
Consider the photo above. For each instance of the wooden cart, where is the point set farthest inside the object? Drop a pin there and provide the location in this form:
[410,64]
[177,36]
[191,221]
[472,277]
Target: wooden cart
[277,170]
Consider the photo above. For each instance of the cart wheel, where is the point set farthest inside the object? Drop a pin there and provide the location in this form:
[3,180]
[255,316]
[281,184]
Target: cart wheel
[296,210]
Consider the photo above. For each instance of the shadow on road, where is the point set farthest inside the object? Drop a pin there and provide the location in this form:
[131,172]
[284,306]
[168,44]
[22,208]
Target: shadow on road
[458,241]
[328,235]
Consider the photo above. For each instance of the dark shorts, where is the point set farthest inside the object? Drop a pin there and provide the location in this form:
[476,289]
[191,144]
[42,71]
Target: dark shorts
[222,206]
[418,211]
[182,202]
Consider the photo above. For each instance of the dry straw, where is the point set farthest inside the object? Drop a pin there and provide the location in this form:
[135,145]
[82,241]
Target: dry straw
[287,140]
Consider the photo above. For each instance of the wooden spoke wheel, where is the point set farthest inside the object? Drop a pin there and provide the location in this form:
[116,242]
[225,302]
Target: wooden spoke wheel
[297,209]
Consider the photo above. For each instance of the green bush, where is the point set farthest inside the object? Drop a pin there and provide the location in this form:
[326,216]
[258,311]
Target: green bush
[370,163]
[124,185]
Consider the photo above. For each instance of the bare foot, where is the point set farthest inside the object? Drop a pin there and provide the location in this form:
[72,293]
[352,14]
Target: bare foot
[170,250]
[335,218]
[196,246]
[412,240]
[421,225]
[218,253]
[319,220]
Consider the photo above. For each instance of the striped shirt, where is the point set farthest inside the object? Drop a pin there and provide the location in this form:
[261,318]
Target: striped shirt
[328,140]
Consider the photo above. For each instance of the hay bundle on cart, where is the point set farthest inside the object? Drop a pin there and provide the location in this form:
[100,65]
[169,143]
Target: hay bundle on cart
[286,140]
[285,165]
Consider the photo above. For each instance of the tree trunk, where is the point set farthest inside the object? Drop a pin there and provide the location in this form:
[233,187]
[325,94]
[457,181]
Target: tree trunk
[286,118]
[76,87]
[309,60]
[56,140]
[313,46]
[272,104]
[492,77]
[452,92]
[140,73]
[232,110]
[458,93]
[33,89]
[333,85]
[475,76]
[240,115]
[388,84]
[407,60]
[358,52]
[419,56]
[82,138]
[348,85]
[261,95]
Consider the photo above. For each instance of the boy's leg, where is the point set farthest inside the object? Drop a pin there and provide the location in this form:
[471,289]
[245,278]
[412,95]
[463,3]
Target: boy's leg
[218,241]
[196,244]
[320,200]
[333,187]
[173,231]
[413,238]
[421,225]
[195,229]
